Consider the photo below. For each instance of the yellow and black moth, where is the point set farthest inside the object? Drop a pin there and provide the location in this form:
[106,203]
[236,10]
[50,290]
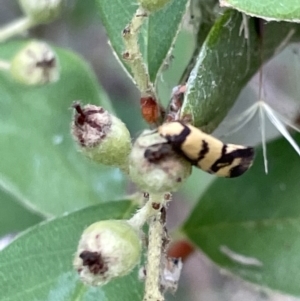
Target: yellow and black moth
[202,150]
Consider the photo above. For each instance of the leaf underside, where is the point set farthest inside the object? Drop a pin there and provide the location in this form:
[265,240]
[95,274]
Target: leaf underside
[226,62]
[282,10]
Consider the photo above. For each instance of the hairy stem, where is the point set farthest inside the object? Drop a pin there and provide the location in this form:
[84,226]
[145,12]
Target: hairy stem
[155,252]
[142,215]
[133,54]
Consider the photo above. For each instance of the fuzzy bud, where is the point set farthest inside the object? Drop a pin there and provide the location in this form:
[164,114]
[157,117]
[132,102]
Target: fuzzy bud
[35,64]
[154,166]
[101,136]
[41,11]
[107,250]
[153,5]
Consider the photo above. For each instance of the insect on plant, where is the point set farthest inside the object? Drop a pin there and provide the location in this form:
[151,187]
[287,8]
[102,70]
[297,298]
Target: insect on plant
[110,191]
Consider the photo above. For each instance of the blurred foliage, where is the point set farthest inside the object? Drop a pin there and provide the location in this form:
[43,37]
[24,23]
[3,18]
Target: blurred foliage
[14,217]
[45,252]
[50,173]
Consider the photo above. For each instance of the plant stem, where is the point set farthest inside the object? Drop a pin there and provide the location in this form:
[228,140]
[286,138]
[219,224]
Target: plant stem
[133,54]
[142,215]
[155,251]
[16,27]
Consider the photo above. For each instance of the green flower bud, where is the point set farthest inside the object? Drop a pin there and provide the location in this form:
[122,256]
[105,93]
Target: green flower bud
[154,166]
[153,5]
[107,250]
[101,136]
[35,64]
[41,11]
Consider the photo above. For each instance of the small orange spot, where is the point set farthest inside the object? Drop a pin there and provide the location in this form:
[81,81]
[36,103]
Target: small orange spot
[180,249]
[150,109]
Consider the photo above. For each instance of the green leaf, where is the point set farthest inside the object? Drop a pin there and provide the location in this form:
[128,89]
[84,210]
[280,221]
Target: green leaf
[40,164]
[13,216]
[183,50]
[165,23]
[256,216]
[282,10]
[38,264]
[226,62]
[115,15]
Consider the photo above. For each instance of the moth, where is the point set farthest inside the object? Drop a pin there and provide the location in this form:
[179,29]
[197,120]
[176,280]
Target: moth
[202,150]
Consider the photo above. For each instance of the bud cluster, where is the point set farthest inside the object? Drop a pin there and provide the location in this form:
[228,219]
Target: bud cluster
[112,248]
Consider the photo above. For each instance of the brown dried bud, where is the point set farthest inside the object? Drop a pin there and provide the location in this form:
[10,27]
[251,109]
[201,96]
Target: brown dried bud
[150,109]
